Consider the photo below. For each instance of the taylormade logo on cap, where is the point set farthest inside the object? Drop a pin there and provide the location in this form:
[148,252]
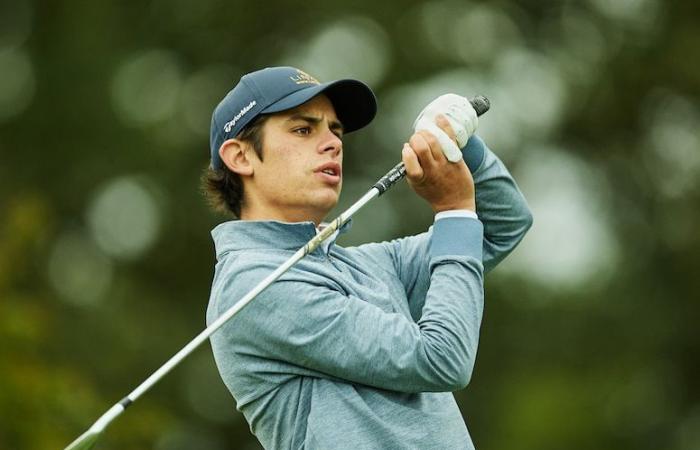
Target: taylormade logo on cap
[230,124]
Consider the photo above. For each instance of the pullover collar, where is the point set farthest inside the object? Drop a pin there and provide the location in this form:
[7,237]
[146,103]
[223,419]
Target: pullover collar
[267,234]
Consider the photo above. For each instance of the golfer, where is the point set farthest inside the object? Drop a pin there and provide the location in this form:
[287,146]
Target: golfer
[360,347]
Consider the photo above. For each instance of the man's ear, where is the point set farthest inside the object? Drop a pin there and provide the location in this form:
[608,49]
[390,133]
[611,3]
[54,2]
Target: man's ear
[235,155]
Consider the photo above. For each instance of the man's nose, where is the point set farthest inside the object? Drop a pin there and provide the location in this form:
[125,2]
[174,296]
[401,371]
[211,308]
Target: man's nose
[331,143]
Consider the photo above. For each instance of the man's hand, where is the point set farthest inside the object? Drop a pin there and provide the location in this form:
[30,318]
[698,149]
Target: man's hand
[445,185]
[462,117]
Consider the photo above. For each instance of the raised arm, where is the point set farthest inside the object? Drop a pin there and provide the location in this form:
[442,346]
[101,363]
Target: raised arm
[500,206]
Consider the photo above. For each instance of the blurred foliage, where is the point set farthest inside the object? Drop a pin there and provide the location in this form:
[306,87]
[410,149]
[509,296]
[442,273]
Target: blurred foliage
[590,338]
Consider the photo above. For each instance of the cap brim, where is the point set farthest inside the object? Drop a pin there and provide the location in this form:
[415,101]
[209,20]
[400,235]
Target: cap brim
[354,102]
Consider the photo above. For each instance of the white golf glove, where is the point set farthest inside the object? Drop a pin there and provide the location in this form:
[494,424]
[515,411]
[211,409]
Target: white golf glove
[462,117]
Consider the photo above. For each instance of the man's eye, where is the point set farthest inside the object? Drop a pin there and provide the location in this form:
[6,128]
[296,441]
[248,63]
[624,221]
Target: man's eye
[302,131]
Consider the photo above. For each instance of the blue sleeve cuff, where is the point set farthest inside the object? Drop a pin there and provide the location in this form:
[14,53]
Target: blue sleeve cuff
[458,236]
[473,153]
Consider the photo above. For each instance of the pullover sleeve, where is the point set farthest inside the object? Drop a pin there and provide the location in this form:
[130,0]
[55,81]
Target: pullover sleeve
[304,323]
[499,203]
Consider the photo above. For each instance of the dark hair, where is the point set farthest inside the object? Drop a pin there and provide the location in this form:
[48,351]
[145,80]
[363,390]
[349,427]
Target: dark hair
[222,188]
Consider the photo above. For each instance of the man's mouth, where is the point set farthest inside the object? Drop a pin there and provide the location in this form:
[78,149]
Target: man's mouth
[331,171]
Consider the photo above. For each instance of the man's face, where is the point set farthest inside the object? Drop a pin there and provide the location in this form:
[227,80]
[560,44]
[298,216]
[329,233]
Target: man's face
[300,175]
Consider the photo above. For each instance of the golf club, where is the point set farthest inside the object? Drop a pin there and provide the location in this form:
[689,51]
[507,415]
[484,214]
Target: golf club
[88,438]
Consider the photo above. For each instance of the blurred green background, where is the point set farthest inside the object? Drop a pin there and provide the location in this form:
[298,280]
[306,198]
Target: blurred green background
[590,337]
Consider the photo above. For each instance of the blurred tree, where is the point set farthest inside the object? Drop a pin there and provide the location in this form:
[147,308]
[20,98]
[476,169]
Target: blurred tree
[105,94]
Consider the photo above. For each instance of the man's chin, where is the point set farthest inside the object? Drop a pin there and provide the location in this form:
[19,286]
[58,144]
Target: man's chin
[328,202]
[330,195]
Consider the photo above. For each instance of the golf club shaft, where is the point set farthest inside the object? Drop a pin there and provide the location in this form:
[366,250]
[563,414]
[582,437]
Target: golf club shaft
[398,172]
[117,409]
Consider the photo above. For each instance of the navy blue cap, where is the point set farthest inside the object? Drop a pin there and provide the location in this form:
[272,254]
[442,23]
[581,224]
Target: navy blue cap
[276,89]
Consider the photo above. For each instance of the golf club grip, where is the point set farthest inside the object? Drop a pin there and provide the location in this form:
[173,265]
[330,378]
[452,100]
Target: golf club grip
[480,104]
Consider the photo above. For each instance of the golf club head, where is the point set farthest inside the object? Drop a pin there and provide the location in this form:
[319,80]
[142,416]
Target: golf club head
[85,441]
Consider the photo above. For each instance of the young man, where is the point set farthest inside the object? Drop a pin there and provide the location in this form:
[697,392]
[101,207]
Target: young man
[356,348]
